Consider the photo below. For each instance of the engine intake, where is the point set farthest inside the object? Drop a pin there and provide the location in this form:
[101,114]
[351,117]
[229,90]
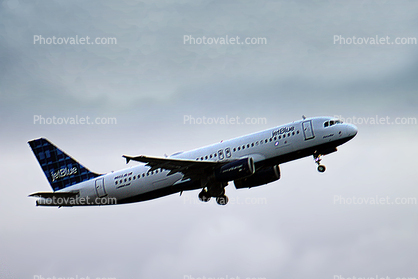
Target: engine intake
[235,170]
[260,177]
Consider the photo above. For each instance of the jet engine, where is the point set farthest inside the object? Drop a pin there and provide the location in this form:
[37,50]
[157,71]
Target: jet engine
[235,170]
[260,177]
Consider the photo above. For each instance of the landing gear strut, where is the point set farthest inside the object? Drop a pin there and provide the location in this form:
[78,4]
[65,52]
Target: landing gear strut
[317,157]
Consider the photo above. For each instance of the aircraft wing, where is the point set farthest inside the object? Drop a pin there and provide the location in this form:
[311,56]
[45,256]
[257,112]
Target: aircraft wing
[189,168]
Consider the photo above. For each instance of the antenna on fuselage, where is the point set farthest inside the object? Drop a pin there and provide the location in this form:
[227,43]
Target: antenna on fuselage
[303,117]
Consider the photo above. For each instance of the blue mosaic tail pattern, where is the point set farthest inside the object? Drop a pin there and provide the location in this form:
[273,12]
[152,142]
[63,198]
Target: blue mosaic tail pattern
[60,169]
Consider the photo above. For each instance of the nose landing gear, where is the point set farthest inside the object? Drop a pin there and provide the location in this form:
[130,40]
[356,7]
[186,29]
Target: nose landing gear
[317,158]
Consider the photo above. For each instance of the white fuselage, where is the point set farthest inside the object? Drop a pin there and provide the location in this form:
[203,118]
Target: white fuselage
[272,146]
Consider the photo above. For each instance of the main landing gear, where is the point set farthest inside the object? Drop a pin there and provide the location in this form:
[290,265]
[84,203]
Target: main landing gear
[317,157]
[204,196]
[221,198]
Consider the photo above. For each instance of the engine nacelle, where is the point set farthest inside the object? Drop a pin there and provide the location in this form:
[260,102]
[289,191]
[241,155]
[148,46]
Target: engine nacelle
[235,170]
[260,177]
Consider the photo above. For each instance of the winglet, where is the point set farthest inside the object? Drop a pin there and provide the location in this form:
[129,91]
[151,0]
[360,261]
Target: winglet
[128,159]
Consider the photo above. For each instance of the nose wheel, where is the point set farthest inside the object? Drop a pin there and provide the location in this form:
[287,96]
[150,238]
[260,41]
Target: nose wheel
[317,158]
[321,168]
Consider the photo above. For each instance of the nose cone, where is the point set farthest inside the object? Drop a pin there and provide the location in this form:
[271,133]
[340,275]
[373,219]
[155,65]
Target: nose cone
[351,130]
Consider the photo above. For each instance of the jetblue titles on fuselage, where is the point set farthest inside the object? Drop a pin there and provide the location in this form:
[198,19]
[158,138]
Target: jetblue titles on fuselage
[283,130]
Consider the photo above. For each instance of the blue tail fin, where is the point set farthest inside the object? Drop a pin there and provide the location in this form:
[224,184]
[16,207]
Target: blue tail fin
[60,169]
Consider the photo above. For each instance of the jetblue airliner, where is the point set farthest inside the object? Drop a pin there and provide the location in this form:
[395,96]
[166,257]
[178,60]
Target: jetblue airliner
[249,161]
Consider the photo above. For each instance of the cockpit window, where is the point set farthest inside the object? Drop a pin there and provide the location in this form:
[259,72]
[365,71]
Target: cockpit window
[331,123]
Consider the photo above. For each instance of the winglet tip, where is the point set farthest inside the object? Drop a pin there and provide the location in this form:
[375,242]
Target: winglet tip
[127,158]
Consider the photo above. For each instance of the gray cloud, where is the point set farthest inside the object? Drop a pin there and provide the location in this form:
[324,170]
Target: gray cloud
[149,80]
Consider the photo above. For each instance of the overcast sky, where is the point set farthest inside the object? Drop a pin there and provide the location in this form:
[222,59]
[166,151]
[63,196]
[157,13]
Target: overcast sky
[150,80]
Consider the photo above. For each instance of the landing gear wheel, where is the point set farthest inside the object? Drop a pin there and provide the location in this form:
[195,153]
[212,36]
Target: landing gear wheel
[222,200]
[321,168]
[317,158]
[204,196]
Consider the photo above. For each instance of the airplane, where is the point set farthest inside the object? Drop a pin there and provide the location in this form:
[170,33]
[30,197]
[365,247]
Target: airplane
[249,161]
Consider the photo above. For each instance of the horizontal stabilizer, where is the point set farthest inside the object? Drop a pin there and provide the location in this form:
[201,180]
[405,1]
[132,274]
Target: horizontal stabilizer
[49,195]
